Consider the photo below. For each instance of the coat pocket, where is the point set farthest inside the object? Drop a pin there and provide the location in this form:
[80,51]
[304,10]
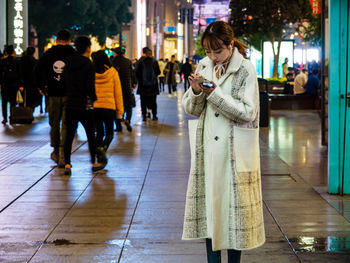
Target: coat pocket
[246,149]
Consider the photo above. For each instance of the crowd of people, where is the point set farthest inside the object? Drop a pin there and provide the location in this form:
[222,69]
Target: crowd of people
[300,80]
[224,200]
[90,88]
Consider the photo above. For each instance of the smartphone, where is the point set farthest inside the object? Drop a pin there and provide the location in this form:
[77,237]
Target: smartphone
[208,84]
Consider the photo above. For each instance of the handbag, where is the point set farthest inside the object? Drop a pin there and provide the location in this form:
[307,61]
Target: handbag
[19,97]
[177,78]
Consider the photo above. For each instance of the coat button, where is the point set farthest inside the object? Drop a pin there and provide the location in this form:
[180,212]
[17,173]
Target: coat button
[216,138]
[217,114]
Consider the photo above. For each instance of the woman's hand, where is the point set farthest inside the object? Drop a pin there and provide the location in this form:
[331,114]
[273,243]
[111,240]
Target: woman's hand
[196,87]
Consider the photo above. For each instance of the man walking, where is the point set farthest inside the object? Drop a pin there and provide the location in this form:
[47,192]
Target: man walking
[124,68]
[80,83]
[50,80]
[187,71]
[147,71]
[10,80]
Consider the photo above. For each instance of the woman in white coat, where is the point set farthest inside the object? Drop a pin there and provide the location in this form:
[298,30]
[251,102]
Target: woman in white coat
[224,201]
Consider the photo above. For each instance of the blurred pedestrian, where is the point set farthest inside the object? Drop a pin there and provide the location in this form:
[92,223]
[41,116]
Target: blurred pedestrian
[171,70]
[50,81]
[186,70]
[109,101]
[161,76]
[299,83]
[312,85]
[285,68]
[10,80]
[147,72]
[32,95]
[80,80]
[124,68]
[224,200]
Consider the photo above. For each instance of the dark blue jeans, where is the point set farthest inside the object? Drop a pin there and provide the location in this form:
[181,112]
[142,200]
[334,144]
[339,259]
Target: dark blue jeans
[234,256]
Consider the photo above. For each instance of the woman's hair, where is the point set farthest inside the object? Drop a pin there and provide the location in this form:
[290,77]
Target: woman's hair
[101,61]
[219,32]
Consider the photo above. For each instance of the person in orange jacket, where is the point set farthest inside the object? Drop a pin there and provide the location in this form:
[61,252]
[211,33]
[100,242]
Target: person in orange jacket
[109,103]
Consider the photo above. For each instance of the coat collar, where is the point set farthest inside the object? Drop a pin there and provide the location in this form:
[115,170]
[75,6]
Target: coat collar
[208,66]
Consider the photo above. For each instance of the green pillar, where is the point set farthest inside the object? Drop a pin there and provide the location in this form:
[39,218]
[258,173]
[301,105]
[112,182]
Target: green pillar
[339,105]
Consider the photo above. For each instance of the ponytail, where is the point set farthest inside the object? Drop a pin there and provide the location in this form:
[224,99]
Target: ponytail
[242,48]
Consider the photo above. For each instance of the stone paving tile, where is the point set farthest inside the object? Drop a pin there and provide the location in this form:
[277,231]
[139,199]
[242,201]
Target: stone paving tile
[77,253]
[86,217]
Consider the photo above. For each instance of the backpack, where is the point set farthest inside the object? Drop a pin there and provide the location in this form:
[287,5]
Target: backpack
[148,76]
[10,71]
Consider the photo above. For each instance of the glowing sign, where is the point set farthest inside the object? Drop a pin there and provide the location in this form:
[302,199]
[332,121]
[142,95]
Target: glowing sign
[18,26]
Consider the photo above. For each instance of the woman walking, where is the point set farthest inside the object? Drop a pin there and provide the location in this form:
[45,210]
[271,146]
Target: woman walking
[224,202]
[109,100]
[171,69]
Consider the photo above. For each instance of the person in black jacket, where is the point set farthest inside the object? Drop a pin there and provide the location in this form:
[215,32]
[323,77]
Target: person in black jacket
[79,76]
[28,63]
[147,71]
[187,70]
[10,80]
[124,68]
[49,78]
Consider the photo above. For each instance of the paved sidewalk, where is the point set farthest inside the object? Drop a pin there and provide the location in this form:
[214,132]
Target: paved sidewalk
[133,210]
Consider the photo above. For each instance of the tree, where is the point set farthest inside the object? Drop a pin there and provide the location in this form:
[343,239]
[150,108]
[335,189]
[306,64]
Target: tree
[268,19]
[100,18]
[199,49]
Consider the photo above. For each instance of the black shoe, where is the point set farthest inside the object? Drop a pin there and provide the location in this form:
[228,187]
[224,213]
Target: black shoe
[98,166]
[128,126]
[101,155]
[67,169]
[144,118]
[4,121]
[54,156]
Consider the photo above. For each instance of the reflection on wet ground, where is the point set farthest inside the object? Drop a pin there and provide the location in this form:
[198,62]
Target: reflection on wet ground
[133,210]
[321,244]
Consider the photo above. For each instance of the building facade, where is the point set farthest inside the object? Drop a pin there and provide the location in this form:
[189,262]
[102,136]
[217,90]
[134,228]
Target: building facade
[339,98]
[164,26]
[207,11]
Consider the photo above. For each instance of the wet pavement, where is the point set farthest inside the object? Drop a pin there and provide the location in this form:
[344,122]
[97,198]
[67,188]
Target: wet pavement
[133,210]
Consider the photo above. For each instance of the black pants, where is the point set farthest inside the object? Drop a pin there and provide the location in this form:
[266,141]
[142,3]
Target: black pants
[161,83]
[86,118]
[104,127]
[171,88]
[149,102]
[234,256]
[186,83]
[128,112]
[8,95]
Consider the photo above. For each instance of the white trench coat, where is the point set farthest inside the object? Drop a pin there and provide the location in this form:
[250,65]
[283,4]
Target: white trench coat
[223,200]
